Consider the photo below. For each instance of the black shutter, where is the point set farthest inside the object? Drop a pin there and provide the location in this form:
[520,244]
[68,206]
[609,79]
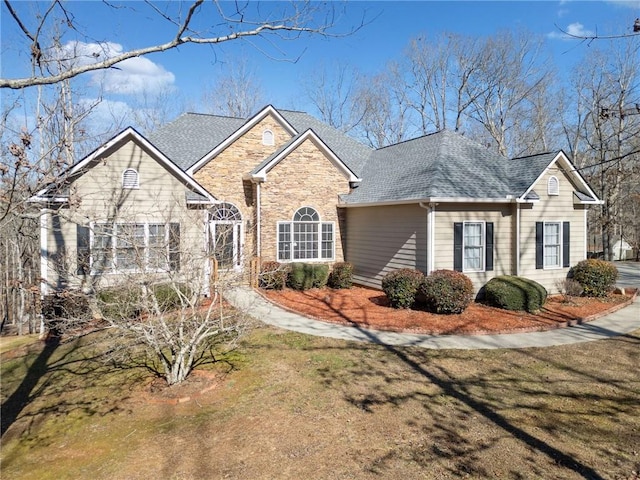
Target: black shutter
[457,246]
[174,247]
[488,246]
[566,244]
[539,245]
[83,245]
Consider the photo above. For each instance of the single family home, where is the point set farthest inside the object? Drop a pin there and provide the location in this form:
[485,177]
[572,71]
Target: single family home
[283,186]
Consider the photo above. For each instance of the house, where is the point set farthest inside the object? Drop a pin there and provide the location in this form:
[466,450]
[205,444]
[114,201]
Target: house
[284,186]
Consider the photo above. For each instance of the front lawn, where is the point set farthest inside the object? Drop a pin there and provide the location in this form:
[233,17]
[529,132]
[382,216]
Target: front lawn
[288,405]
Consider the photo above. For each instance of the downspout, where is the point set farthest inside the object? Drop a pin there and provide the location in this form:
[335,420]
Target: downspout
[258,223]
[517,239]
[586,232]
[431,215]
[44,267]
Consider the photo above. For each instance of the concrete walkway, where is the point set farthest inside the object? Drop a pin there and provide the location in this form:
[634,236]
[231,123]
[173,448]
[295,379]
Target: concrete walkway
[618,323]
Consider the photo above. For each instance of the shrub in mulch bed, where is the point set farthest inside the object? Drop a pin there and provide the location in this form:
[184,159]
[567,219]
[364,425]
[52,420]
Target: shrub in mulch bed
[515,293]
[446,291]
[401,287]
[341,276]
[597,277]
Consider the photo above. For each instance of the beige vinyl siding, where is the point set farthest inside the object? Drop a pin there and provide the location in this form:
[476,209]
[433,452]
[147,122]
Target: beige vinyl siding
[98,197]
[382,239]
[503,218]
[550,208]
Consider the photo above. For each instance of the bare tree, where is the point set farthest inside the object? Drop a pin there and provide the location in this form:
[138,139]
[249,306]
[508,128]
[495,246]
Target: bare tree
[236,20]
[332,91]
[236,92]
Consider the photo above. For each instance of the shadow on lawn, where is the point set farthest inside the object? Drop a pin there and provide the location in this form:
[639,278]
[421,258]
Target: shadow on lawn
[64,377]
[461,450]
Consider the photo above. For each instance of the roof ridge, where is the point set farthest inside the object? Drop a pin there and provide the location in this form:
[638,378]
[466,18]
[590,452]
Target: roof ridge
[210,115]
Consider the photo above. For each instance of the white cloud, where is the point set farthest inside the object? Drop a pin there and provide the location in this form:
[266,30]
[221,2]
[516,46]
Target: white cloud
[575,29]
[131,76]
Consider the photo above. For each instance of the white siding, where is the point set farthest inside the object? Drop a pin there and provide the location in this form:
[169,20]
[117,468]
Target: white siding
[382,239]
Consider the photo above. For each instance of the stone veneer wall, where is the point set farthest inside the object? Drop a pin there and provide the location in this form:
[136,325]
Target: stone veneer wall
[306,178]
[223,176]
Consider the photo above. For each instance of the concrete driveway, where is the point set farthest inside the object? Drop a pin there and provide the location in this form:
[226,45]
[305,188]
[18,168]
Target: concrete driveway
[628,274]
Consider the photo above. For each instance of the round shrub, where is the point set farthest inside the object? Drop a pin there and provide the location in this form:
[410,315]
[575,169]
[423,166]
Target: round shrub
[597,277]
[401,287]
[446,291]
[273,276]
[171,296]
[341,276]
[119,302]
[304,276]
[515,293]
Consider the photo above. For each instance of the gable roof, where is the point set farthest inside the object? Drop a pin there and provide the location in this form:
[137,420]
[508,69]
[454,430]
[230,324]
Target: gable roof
[192,135]
[260,172]
[58,192]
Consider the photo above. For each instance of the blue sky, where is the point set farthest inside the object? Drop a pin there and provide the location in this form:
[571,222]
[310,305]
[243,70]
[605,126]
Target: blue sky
[390,26]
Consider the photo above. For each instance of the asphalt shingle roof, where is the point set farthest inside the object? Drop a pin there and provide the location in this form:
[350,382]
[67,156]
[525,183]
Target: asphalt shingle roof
[192,135]
[441,165]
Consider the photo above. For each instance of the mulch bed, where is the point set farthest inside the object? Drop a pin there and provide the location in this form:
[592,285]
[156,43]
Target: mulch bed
[369,308]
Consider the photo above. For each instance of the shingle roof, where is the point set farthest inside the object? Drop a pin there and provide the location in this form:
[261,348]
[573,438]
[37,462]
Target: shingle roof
[440,165]
[192,135]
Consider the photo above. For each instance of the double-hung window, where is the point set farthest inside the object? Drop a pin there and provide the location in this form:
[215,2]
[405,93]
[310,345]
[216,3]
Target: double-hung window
[127,247]
[306,237]
[553,244]
[473,246]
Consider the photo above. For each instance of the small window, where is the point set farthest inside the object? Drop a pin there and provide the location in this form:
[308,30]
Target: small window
[552,245]
[130,178]
[553,186]
[268,138]
[473,250]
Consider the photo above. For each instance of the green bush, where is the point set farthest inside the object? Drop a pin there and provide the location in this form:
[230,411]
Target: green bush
[119,302]
[273,276]
[515,293]
[304,276]
[446,291]
[341,276]
[171,296]
[597,277]
[401,287]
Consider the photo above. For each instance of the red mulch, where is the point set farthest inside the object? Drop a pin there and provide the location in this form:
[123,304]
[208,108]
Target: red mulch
[369,308]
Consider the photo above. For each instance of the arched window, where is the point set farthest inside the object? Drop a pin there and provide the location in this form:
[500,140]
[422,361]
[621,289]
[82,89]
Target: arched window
[553,186]
[225,212]
[130,178]
[268,138]
[305,237]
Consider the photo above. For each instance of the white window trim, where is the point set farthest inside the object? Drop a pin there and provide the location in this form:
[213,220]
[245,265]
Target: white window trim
[559,266]
[113,269]
[483,238]
[291,224]
[553,186]
[133,186]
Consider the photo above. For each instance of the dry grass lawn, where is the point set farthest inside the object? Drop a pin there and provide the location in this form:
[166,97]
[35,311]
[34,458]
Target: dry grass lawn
[292,406]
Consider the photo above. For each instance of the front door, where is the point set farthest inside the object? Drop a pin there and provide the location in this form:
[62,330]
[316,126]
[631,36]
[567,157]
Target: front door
[225,236]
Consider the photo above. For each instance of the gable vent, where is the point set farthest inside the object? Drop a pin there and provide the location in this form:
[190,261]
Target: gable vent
[130,178]
[553,186]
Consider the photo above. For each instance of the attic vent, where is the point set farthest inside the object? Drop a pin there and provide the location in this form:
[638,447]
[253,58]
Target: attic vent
[130,178]
[553,187]
[268,138]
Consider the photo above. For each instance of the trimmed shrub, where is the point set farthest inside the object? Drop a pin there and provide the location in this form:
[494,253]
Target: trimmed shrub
[515,293]
[273,276]
[171,297]
[401,287]
[119,302]
[446,291]
[597,277]
[304,276]
[341,276]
